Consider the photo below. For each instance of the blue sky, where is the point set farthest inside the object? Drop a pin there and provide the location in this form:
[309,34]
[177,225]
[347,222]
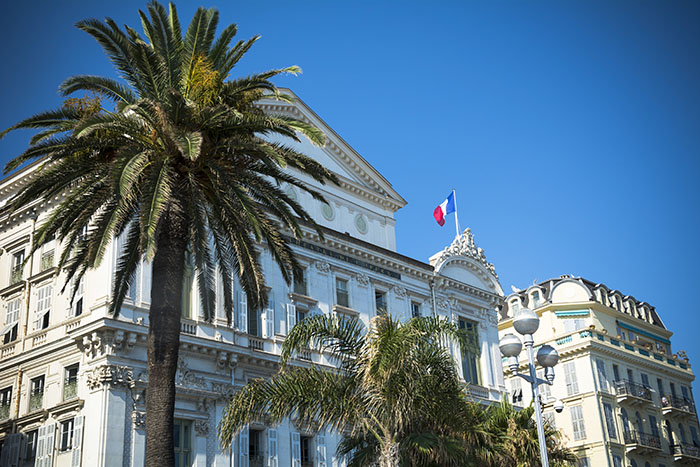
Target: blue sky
[570,130]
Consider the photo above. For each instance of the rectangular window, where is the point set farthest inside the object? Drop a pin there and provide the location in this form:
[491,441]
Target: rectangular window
[584,462]
[43,306]
[182,440]
[685,392]
[11,321]
[255,450]
[70,382]
[609,420]
[616,372]
[66,441]
[694,435]
[617,461]
[673,390]
[536,298]
[306,460]
[30,445]
[17,267]
[549,419]
[47,255]
[654,425]
[630,375]
[301,313]
[516,391]
[645,380]
[415,309]
[660,385]
[342,297]
[621,333]
[380,302]
[5,400]
[36,396]
[570,377]
[254,324]
[602,378]
[300,283]
[577,423]
[470,354]
[574,324]
[77,307]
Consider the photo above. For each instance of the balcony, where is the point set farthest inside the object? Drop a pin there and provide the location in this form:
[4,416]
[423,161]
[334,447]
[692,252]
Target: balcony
[686,453]
[641,443]
[256,343]
[634,393]
[36,401]
[188,326]
[672,406]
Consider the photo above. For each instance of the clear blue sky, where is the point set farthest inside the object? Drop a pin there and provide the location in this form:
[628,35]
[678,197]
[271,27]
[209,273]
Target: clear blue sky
[570,130]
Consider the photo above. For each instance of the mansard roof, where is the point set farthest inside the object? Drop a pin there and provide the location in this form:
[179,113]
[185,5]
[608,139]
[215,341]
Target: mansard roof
[596,292]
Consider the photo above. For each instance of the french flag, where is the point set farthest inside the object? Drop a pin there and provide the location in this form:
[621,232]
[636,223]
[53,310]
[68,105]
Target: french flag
[445,208]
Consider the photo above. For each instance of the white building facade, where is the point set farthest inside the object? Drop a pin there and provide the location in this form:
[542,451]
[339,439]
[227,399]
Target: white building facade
[627,397]
[72,377]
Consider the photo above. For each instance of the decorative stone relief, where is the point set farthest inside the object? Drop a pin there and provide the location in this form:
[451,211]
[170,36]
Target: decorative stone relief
[493,318]
[110,376]
[221,359]
[443,303]
[400,291]
[361,224]
[186,378]
[138,419]
[224,390]
[363,279]
[92,345]
[323,266]
[201,427]
[464,246]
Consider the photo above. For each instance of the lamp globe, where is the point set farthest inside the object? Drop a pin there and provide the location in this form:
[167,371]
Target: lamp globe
[510,345]
[547,356]
[526,322]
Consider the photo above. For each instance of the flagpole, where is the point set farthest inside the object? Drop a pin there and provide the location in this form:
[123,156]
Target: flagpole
[456,219]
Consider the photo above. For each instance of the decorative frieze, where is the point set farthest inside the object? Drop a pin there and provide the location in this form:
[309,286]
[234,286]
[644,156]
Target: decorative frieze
[138,419]
[323,267]
[110,376]
[224,390]
[186,378]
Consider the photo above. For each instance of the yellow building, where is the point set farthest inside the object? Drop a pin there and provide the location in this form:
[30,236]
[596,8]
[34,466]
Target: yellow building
[627,396]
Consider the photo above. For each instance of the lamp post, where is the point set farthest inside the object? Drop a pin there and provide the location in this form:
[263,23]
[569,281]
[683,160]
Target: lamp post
[526,323]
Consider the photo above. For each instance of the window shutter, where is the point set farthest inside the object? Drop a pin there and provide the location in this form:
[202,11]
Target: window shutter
[321,450]
[77,441]
[602,378]
[269,323]
[48,444]
[10,450]
[242,311]
[291,318]
[296,448]
[271,447]
[243,448]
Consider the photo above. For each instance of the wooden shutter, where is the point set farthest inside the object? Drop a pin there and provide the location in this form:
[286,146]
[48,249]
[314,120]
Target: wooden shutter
[49,444]
[321,450]
[243,448]
[242,311]
[77,441]
[40,443]
[296,448]
[272,447]
[291,316]
[10,450]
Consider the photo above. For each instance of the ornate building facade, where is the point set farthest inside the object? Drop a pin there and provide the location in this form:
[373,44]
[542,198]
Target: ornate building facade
[72,377]
[627,396]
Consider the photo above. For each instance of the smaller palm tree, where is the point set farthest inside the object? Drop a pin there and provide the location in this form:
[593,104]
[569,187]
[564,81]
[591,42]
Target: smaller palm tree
[389,380]
[515,435]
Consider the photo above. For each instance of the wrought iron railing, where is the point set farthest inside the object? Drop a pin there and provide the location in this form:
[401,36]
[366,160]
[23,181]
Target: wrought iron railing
[70,390]
[685,449]
[630,388]
[47,260]
[680,403]
[16,275]
[643,439]
[36,401]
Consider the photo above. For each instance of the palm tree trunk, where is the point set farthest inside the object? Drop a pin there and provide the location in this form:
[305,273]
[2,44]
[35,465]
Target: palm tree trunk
[389,456]
[164,340]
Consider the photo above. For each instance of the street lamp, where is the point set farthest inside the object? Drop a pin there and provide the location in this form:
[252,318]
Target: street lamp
[526,323]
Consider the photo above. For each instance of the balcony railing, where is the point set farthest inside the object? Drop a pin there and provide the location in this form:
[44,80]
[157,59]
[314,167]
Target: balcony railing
[70,390]
[16,275]
[36,401]
[47,260]
[685,449]
[256,343]
[642,439]
[680,403]
[628,388]
[4,411]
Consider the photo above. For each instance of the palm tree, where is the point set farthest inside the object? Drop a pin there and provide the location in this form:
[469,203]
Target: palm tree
[515,435]
[391,385]
[184,162]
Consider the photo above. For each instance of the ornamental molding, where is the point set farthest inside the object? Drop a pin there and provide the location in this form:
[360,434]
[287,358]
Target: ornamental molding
[224,390]
[184,377]
[465,246]
[201,427]
[400,292]
[323,266]
[138,419]
[443,303]
[110,376]
[362,279]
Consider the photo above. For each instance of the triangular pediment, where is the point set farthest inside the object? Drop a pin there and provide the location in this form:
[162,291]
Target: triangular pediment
[355,173]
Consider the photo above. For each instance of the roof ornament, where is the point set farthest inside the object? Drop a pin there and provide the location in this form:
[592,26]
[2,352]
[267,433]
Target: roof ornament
[464,245]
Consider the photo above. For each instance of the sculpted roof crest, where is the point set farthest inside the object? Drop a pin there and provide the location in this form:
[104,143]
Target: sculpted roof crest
[464,245]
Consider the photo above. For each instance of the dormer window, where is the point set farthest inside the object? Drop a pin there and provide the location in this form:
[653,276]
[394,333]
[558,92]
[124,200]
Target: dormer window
[515,306]
[536,298]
